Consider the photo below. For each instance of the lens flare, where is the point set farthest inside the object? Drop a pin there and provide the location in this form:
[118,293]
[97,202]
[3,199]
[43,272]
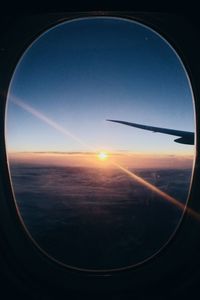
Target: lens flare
[156,190]
[48,121]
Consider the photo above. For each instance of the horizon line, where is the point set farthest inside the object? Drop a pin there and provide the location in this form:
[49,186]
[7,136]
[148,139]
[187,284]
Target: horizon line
[108,151]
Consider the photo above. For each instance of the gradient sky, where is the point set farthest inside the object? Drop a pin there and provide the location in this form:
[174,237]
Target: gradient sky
[80,73]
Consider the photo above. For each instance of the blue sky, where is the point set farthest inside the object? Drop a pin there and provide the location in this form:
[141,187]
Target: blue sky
[82,72]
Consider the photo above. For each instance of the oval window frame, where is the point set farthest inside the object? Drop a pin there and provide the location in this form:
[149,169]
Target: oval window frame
[151,20]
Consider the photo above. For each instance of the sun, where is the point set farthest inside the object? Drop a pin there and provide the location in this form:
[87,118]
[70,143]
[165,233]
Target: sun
[102,155]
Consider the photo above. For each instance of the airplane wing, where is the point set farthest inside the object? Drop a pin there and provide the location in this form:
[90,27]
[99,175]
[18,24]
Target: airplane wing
[185,137]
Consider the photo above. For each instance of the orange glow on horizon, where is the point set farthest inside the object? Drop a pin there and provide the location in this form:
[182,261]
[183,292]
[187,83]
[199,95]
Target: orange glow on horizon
[92,159]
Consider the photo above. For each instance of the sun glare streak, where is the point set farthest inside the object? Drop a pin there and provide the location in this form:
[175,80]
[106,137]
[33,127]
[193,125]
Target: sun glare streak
[48,121]
[103,156]
[159,192]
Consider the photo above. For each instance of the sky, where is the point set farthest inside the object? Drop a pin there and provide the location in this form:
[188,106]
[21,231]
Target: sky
[79,73]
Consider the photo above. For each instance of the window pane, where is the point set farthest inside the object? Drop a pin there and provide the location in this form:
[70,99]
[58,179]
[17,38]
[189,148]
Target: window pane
[97,194]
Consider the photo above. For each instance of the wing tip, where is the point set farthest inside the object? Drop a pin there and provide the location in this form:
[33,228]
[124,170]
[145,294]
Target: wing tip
[110,120]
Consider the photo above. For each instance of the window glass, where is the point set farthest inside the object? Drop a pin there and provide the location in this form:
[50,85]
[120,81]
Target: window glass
[96,194]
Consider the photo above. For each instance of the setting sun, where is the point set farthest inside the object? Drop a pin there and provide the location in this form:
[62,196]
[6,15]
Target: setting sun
[102,155]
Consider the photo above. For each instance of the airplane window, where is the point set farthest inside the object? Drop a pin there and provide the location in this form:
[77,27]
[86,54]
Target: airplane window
[100,142]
